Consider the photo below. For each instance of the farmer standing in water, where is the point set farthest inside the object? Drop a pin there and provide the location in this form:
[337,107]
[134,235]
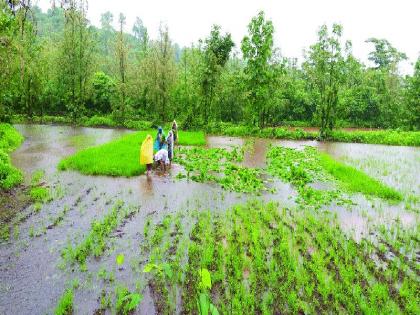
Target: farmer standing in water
[146,153]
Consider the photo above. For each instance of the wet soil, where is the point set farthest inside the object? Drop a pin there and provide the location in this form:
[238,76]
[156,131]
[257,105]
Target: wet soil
[32,274]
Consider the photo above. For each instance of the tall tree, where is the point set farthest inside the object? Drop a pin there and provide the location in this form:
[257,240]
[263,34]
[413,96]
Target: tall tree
[76,56]
[413,97]
[217,48]
[121,50]
[324,67]
[257,49]
[159,73]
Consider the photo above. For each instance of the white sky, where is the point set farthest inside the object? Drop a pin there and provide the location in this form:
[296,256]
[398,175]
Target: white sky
[295,21]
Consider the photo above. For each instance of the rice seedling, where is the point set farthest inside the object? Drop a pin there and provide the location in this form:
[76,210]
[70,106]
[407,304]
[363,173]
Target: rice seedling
[95,241]
[65,304]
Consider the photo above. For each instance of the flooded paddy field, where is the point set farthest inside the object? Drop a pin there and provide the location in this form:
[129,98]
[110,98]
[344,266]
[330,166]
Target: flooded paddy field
[168,229]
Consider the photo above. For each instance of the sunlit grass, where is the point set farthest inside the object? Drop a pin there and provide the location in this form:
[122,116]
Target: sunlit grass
[120,157]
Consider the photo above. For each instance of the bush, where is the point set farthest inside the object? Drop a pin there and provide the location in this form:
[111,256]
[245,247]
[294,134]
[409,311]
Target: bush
[10,139]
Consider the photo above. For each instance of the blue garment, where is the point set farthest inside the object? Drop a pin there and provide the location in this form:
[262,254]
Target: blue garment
[160,140]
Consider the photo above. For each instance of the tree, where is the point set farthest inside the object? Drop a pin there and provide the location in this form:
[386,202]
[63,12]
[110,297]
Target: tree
[413,97]
[324,66]
[159,74]
[385,55]
[121,51]
[257,49]
[216,53]
[103,92]
[140,33]
[76,56]
[387,83]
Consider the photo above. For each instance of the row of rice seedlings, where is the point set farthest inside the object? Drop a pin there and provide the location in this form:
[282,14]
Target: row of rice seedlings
[164,262]
[388,281]
[265,261]
[95,242]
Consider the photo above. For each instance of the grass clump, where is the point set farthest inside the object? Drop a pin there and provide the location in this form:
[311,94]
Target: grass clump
[10,139]
[38,193]
[65,304]
[119,157]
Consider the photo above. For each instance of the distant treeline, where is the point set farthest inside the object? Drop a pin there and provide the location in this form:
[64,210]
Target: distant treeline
[57,63]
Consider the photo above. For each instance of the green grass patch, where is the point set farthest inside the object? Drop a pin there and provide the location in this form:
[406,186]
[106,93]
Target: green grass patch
[121,156]
[10,139]
[65,304]
[357,181]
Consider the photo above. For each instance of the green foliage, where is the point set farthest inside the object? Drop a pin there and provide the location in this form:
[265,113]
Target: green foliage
[257,49]
[103,92]
[119,259]
[208,165]
[324,67]
[65,304]
[119,157]
[38,193]
[126,302]
[10,139]
[216,53]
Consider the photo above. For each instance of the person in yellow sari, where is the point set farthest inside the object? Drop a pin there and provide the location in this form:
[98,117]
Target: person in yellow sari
[146,153]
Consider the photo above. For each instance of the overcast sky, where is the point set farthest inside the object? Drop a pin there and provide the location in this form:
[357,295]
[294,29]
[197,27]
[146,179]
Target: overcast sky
[295,21]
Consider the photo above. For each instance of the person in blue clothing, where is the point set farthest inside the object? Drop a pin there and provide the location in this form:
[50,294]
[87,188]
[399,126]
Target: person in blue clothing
[160,140]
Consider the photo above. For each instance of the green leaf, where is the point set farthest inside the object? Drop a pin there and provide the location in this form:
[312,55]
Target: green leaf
[205,279]
[213,310]
[149,267]
[120,259]
[168,270]
[204,304]
[135,299]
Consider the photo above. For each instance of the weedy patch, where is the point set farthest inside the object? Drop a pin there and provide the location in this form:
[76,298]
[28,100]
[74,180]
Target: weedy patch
[219,166]
[38,193]
[305,167]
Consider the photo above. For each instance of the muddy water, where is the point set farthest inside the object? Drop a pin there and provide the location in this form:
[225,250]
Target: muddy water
[31,280]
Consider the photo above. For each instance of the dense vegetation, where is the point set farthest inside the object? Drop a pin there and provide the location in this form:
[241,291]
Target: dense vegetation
[56,63]
[10,139]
